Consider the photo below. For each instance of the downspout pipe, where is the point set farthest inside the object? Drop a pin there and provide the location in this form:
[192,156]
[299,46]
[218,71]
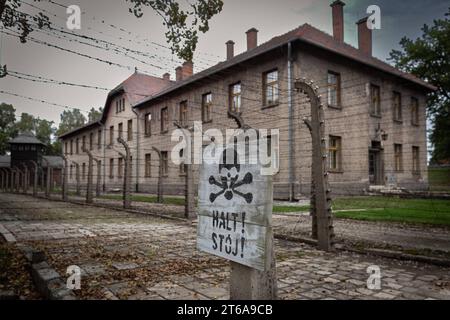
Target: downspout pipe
[138,143]
[291,124]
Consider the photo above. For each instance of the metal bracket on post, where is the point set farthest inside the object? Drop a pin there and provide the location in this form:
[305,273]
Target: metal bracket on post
[159,191]
[189,206]
[320,197]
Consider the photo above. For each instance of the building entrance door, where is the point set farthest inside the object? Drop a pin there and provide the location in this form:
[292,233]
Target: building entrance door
[376,164]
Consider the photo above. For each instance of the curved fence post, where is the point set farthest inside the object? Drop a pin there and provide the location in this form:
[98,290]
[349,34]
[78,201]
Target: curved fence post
[127,175]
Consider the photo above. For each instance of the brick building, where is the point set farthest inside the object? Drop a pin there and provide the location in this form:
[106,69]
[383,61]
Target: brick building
[375,114]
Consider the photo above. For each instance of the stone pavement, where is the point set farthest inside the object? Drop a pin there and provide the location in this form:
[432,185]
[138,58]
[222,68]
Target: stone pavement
[131,256]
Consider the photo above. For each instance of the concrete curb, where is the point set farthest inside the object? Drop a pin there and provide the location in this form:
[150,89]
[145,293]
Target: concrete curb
[8,236]
[47,280]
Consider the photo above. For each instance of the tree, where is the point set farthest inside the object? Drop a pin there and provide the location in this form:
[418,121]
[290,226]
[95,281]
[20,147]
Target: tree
[7,127]
[428,58]
[27,123]
[70,119]
[182,35]
[94,114]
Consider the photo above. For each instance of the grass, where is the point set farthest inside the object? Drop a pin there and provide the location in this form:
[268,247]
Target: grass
[424,211]
[287,209]
[439,179]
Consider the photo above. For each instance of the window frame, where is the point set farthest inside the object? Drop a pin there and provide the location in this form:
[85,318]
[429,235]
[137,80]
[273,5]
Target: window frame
[165,163]
[265,86]
[164,119]
[207,106]
[148,124]
[398,157]
[338,154]
[397,107]
[232,95]
[183,113]
[111,168]
[130,130]
[337,87]
[375,110]
[415,168]
[148,165]
[414,111]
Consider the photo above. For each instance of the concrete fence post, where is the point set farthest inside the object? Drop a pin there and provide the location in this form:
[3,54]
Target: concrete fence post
[89,193]
[35,177]
[159,191]
[48,177]
[25,178]
[64,191]
[77,178]
[321,197]
[127,174]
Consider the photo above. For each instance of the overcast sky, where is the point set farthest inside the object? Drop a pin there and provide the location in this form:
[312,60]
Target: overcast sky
[271,18]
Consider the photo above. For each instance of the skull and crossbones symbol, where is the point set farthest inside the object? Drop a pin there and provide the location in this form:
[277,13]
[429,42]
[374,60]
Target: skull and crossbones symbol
[228,181]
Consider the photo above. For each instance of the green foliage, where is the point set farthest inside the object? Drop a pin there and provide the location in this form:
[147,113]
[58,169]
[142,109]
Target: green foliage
[7,127]
[13,18]
[70,119]
[94,114]
[181,34]
[428,58]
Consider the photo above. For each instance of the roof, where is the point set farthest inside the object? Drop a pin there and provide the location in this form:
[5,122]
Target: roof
[306,34]
[5,161]
[25,138]
[53,161]
[136,87]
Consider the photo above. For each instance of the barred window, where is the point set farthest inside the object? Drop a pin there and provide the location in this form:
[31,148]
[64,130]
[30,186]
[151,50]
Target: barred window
[164,119]
[148,124]
[111,168]
[148,165]
[120,130]
[414,111]
[111,135]
[415,160]
[334,89]
[398,157]
[165,163]
[397,106]
[130,130]
[207,107]
[120,168]
[335,153]
[235,97]
[183,113]
[270,85]
[375,106]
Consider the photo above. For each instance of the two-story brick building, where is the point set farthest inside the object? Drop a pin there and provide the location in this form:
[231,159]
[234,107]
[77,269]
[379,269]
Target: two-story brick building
[374,114]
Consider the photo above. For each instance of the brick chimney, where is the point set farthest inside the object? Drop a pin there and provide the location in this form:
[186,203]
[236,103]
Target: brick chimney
[230,49]
[166,76]
[179,73]
[252,39]
[338,20]
[188,69]
[364,37]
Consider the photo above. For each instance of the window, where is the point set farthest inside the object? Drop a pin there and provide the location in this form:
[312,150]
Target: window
[375,107]
[270,85]
[120,168]
[414,111]
[235,97]
[207,107]
[83,144]
[334,153]
[71,147]
[164,119]
[183,114]
[397,105]
[77,146]
[99,168]
[91,141]
[83,171]
[334,89]
[120,105]
[398,158]
[111,168]
[148,165]
[120,130]
[148,124]
[71,171]
[111,135]
[415,160]
[99,139]
[130,130]
[165,163]
[123,104]
[66,149]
